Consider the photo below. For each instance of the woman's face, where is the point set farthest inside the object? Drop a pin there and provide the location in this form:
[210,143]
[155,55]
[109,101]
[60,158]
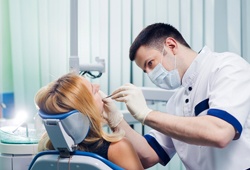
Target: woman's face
[94,89]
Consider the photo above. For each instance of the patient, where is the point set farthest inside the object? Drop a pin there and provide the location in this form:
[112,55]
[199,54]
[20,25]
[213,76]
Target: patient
[73,92]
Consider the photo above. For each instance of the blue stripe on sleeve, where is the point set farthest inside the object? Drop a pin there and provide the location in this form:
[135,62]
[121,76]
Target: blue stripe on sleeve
[228,118]
[158,149]
[200,107]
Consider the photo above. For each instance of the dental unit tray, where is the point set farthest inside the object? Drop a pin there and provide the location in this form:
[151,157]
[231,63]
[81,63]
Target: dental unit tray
[18,137]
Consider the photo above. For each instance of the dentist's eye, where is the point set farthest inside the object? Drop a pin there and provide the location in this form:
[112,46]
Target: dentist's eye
[150,64]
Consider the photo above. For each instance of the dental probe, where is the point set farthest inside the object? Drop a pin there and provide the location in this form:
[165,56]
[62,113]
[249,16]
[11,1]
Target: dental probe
[108,96]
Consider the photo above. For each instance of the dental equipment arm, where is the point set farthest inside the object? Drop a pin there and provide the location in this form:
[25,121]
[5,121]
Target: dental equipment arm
[89,68]
[83,69]
[74,58]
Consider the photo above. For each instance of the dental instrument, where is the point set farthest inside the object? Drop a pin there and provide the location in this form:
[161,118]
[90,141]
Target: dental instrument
[108,96]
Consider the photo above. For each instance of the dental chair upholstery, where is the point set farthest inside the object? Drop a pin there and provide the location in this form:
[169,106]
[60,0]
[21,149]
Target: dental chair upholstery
[65,132]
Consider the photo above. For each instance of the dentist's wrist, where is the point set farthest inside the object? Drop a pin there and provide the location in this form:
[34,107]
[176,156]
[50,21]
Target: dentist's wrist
[141,117]
[115,119]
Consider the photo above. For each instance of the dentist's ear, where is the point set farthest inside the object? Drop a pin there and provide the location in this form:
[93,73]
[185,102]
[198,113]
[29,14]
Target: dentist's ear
[171,44]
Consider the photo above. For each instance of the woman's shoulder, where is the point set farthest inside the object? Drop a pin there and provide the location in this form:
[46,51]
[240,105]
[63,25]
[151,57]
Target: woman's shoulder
[122,152]
[124,142]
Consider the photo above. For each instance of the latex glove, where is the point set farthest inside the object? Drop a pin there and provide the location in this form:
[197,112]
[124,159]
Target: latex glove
[134,100]
[111,112]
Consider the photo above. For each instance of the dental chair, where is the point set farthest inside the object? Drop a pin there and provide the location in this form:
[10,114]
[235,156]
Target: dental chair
[65,132]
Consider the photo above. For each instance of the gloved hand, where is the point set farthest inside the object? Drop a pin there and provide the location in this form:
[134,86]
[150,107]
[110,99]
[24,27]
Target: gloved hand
[111,113]
[134,100]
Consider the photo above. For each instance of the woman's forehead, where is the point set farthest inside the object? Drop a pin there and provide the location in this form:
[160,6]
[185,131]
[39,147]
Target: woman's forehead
[87,83]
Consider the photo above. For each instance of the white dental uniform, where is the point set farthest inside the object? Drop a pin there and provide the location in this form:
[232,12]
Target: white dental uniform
[216,84]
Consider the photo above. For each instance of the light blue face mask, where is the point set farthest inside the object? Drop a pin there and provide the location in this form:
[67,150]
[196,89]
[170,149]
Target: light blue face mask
[162,78]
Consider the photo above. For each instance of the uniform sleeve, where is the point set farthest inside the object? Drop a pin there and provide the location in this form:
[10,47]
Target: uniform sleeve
[162,145]
[229,92]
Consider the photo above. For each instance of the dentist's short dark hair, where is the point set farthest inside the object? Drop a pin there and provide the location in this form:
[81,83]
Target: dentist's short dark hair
[154,36]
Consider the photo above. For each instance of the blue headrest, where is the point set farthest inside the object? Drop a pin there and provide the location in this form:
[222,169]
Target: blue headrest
[74,124]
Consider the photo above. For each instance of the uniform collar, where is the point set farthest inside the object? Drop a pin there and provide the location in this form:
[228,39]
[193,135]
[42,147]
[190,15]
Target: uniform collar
[190,75]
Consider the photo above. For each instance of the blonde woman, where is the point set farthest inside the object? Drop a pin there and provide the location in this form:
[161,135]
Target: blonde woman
[73,92]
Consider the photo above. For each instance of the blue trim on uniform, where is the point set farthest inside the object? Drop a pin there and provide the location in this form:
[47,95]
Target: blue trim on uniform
[158,149]
[200,107]
[228,118]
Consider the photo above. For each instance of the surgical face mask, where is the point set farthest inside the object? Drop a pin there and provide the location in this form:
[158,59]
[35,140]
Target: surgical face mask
[165,79]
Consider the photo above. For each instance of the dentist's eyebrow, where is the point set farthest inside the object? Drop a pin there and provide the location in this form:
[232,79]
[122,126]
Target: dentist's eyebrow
[144,66]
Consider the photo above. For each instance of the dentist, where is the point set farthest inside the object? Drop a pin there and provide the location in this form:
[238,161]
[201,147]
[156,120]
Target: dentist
[207,120]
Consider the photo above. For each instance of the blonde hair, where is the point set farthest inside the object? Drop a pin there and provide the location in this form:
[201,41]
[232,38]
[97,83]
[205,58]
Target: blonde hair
[70,93]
